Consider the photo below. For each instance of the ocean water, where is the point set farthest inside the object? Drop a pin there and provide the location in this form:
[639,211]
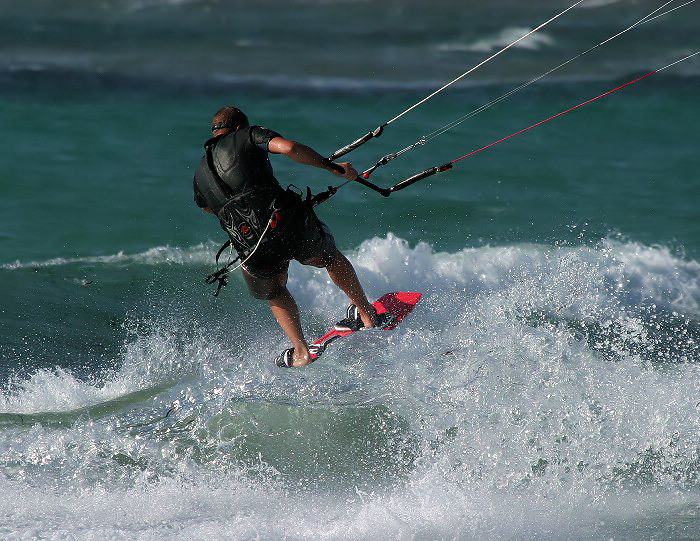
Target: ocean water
[546,387]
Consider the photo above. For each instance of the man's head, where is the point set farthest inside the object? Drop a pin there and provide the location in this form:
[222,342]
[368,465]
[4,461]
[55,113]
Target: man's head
[228,119]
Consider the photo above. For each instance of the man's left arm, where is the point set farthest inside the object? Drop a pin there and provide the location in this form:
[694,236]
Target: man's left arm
[199,200]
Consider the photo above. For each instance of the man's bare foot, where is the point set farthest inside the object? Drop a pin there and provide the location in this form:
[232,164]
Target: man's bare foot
[290,357]
[301,355]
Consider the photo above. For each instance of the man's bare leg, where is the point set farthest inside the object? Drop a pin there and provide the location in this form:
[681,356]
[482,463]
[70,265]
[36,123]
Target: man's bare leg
[286,312]
[343,275]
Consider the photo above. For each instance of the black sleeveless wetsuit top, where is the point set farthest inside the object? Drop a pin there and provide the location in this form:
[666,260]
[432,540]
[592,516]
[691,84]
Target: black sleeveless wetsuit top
[241,159]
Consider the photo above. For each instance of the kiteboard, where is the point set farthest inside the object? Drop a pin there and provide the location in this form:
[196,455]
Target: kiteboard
[391,307]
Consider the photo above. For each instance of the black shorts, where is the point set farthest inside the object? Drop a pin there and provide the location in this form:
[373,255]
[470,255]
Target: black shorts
[308,240]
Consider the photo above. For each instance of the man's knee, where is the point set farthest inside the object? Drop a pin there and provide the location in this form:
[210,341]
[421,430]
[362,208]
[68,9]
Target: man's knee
[340,263]
[324,260]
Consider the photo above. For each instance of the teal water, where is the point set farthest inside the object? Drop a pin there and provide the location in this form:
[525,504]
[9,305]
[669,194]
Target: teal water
[546,386]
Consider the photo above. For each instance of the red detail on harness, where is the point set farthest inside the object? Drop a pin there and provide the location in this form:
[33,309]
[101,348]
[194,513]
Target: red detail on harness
[244,229]
[276,218]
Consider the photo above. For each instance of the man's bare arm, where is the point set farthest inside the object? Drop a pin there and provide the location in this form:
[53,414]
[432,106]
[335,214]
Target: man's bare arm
[303,154]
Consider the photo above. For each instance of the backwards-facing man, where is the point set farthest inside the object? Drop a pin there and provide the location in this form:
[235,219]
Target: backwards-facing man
[270,226]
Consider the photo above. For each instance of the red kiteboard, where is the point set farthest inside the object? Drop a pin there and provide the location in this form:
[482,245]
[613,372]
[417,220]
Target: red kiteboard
[399,304]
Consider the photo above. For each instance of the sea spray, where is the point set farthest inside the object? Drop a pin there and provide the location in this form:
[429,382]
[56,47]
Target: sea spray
[527,376]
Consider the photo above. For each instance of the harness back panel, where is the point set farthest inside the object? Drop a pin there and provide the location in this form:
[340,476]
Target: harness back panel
[235,180]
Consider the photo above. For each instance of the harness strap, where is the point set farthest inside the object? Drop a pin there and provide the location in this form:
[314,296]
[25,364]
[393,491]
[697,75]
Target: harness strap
[221,250]
[322,197]
[221,275]
[225,188]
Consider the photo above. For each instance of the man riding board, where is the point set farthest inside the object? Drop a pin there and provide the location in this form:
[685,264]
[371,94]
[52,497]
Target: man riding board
[270,226]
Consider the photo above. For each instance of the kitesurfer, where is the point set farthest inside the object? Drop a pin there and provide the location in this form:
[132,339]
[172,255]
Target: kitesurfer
[269,226]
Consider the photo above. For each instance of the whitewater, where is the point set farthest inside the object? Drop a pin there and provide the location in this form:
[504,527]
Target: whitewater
[547,385]
[536,392]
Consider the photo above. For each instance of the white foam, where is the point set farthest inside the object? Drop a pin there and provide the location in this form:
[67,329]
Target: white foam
[597,3]
[202,253]
[525,385]
[503,38]
[147,362]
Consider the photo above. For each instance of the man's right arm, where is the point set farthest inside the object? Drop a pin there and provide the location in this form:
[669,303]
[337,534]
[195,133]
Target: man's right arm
[303,154]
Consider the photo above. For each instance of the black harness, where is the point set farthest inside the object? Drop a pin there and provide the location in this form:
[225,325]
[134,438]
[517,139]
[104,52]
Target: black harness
[253,219]
[244,216]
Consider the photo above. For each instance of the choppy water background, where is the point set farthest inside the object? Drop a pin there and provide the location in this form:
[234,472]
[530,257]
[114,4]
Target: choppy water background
[547,386]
